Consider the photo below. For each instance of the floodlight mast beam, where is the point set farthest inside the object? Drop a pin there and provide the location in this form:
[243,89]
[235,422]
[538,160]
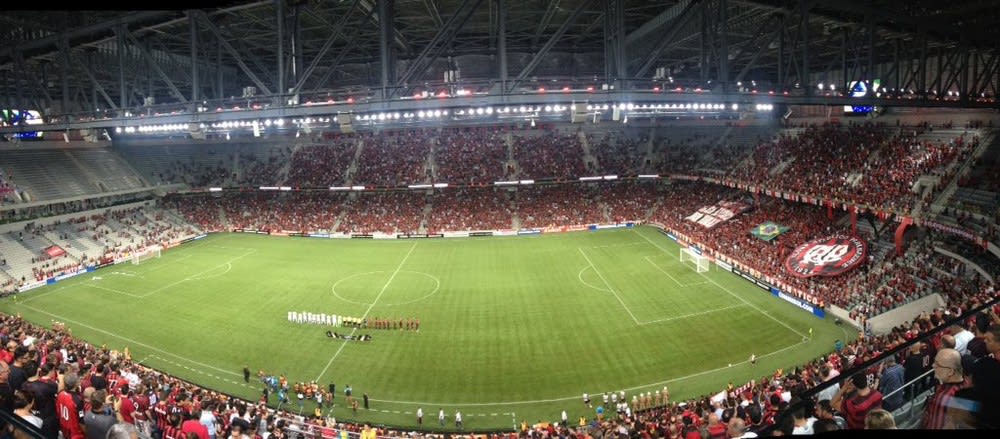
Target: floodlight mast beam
[540,55]
[156,66]
[279,9]
[387,58]
[804,6]
[232,52]
[338,30]
[669,39]
[502,42]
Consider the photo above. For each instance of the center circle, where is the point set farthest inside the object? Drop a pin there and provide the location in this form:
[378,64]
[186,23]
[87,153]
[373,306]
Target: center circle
[346,290]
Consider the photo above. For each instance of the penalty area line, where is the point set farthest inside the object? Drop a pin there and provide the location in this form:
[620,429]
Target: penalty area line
[740,298]
[629,311]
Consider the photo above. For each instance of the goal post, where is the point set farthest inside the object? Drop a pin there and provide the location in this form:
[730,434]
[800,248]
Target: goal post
[146,254]
[700,262]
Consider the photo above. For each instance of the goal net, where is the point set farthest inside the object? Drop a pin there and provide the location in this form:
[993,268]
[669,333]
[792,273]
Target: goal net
[148,253]
[700,262]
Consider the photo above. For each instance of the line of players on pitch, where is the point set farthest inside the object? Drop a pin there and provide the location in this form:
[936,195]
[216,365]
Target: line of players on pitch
[309,318]
[641,401]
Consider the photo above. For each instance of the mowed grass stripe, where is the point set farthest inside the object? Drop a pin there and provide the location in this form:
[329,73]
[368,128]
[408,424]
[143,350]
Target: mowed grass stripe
[512,328]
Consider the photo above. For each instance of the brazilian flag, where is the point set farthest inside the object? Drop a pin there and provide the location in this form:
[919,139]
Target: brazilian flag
[769,230]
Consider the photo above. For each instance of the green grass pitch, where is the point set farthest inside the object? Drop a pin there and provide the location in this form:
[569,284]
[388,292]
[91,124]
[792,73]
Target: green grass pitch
[512,328]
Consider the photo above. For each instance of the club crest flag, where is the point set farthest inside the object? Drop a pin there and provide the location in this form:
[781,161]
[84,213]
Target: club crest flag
[830,256]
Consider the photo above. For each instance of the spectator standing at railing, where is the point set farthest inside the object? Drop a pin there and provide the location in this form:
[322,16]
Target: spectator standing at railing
[892,379]
[986,381]
[855,399]
[962,337]
[948,371]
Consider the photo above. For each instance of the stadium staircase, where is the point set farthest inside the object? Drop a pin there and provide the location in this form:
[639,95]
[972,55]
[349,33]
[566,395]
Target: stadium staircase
[72,246]
[988,149]
[223,219]
[425,216]
[509,141]
[4,277]
[589,161]
[648,158]
[286,167]
[879,248]
[116,229]
[126,164]
[430,168]
[237,169]
[18,257]
[94,181]
[19,250]
[432,158]
[149,161]
[31,171]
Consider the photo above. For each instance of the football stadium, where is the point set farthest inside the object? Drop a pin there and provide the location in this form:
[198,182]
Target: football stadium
[499,219]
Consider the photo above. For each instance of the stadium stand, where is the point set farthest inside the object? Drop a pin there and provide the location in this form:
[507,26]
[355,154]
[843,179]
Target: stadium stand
[323,165]
[394,158]
[553,206]
[471,155]
[548,154]
[470,210]
[404,157]
[384,212]
[30,170]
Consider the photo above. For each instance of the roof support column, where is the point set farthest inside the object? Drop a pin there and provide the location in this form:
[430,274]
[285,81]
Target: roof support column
[195,85]
[502,42]
[387,59]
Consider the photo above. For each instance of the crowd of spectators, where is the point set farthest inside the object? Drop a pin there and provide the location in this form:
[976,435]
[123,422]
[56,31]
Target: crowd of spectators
[617,154]
[198,210]
[558,205]
[384,212]
[878,286]
[869,164]
[703,151]
[628,201]
[471,155]
[470,209]
[323,165]
[262,168]
[7,189]
[549,154]
[394,158]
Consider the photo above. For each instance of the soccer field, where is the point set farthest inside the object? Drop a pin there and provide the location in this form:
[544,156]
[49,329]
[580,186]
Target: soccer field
[511,329]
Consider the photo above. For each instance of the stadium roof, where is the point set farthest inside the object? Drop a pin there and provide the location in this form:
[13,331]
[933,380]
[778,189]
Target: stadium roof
[334,47]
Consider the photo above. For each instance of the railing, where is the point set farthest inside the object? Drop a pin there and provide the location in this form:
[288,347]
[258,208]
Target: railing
[910,412]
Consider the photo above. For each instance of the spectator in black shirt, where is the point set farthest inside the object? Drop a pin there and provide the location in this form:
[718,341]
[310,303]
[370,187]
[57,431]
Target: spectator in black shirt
[17,370]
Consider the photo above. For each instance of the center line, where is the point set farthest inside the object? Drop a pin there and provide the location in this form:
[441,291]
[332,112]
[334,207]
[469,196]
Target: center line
[384,287]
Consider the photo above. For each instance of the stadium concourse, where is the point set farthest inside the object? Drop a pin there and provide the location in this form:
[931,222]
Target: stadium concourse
[866,180]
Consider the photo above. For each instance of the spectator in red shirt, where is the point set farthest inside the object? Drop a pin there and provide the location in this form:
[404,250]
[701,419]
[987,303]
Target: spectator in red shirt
[855,399]
[192,424]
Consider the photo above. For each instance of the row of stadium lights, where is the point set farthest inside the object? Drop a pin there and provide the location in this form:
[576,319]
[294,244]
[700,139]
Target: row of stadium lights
[488,111]
[430,114]
[178,127]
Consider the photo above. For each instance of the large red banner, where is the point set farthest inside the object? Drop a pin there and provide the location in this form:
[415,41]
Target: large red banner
[830,256]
